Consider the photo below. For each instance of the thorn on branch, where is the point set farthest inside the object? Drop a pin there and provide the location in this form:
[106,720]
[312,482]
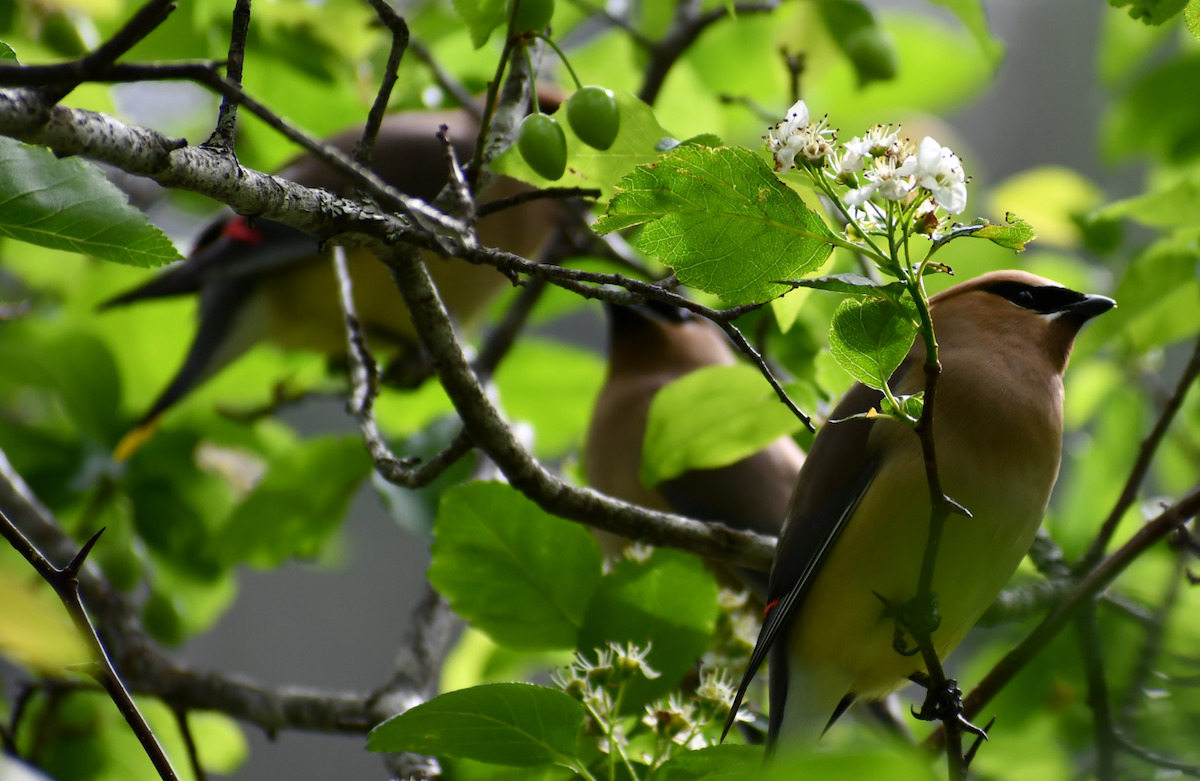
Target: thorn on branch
[970,755]
[72,569]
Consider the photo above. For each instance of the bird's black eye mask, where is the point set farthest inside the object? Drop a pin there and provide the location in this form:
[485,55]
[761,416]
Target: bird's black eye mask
[1044,300]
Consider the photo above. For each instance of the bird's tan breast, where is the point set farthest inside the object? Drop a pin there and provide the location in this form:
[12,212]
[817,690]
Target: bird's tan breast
[998,446]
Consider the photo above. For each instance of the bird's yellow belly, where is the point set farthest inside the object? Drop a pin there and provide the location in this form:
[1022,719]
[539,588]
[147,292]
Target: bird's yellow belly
[842,625]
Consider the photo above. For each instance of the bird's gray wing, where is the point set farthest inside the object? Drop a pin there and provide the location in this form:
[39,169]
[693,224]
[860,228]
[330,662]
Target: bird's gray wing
[835,476]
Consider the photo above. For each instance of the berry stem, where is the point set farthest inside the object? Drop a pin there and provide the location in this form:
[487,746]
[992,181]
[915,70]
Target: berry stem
[563,57]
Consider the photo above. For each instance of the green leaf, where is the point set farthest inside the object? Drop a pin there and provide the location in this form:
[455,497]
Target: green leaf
[1050,196]
[69,205]
[910,406]
[1191,14]
[637,143]
[703,139]
[1176,205]
[709,418]
[870,337]
[722,220]
[73,365]
[726,761]
[480,17]
[1153,12]
[1014,236]
[855,284]
[868,47]
[1151,119]
[973,15]
[849,765]
[513,724]
[925,46]
[299,504]
[669,601]
[7,54]
[220,742]
[511,569]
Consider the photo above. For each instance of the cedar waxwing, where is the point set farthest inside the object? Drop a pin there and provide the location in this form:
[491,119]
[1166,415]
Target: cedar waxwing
[649,347]
[858,520]
[264,280]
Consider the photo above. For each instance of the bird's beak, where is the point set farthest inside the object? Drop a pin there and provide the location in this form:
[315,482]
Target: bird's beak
[1091,306]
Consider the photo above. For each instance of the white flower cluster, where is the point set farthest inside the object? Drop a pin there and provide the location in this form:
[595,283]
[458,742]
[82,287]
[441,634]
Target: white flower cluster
[795,135]
[891,166]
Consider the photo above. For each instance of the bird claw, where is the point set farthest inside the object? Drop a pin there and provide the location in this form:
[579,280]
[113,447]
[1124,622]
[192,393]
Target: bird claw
[944,702]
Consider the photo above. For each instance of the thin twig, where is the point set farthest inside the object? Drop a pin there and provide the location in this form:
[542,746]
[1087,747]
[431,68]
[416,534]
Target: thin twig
[145,670]
[399,30]
[189,740]
[756,358]
[690,21]
[1092,650]
[924,605]
[500,204]
[1133,749]
[65,583]
[447,82]
[43,75]
[222,137]
[364,384]
[1152,644]
[634,34]
[144,22]
[1142,465]
[465,207]
[483,422]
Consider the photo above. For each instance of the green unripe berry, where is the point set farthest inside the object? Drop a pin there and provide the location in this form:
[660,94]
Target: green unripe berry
[162,619]
[543,145]
[530,14]
[871,51]
[594,116]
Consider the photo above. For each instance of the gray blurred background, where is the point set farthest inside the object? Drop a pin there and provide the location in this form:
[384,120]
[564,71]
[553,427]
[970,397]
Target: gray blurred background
[339,627]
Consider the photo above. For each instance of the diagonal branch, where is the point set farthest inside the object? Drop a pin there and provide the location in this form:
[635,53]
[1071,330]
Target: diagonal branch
[364,383]
[1142,465]
[65,583]
[1094,582]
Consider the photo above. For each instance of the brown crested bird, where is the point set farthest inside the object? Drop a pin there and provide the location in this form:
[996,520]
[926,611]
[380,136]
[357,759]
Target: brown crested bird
[262,280]
[649,347]
[858,521]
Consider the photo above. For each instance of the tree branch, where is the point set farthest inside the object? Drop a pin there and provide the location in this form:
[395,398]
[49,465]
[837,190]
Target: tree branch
[1142,465]
[485,426]
[1091,647]
[1095,581]
[65,583]
[399,30]
[364,387]
[222,136]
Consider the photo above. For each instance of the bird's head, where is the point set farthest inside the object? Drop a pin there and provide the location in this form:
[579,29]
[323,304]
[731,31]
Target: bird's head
[1017,305]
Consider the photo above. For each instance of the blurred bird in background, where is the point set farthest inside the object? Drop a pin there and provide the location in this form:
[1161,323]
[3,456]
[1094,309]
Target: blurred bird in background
[650,346]
[858,521]
[261,280]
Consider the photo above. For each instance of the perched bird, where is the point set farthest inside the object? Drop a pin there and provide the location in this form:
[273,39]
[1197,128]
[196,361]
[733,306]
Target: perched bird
[649,347]
[262,280]
[857,523]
